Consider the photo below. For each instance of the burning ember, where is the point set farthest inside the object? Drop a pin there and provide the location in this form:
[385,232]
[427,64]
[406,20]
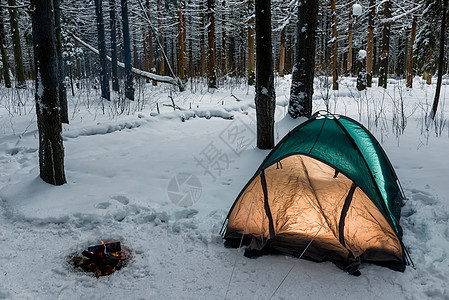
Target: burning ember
[102,259]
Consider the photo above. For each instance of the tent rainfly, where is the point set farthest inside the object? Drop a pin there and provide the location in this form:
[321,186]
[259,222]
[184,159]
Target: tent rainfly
[326,192]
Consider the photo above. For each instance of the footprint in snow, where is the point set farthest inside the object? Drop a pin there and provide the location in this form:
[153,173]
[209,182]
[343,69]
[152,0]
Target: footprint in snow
[122,199]
[103,205]
[423,197]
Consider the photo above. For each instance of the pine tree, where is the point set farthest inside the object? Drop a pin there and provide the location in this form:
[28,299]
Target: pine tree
[129,88]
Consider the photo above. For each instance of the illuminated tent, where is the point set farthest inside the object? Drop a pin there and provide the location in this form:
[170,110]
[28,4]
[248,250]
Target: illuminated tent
[328,190]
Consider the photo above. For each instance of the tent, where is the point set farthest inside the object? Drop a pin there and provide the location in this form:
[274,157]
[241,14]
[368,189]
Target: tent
[327,191]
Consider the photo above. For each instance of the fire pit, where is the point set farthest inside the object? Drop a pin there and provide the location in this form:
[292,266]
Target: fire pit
[102,259]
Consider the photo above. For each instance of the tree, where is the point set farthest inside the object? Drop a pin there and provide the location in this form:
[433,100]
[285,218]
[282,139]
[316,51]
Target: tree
[3,52]
[251,65]
[440,60]
[265,93]
[303,71]
[129,88]
[113,25]
[334,47]
[182,46]
[211,70]
[61,69]
[51,150]
[383,70]
[410,54]
[370,43]
[104,75]
[14,20]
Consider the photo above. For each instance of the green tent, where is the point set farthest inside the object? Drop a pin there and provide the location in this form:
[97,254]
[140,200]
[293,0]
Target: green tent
[327,191]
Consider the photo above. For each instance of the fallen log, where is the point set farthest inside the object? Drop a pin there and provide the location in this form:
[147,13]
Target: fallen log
[166,79]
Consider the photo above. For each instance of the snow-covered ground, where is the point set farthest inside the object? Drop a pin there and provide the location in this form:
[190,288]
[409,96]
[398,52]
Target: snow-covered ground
[122,168]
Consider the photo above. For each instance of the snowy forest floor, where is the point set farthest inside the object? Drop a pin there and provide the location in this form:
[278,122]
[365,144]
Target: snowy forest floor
[121,159]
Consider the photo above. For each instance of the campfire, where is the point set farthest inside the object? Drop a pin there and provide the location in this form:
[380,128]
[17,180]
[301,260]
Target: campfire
[102,259]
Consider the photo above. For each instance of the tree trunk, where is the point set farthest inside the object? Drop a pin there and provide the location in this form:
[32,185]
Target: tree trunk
[61,66]
[410,54]
[251,66]
[113,25]
[14,20]
[161,39]
[440,60]
[182,47]
[224,56]
[129,88]
[104,75]
[202,40]
[150,45]
[212,76]
[265,93]
[303,71]
[78,63]
[282,53]
[334,47]
[134,36]
[349,62]
[51,150]
[383,70]
[3,52]
[370,43]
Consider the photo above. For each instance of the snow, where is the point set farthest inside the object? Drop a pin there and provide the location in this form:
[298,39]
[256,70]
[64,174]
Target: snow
[119,167]
[357,9]
[362,54]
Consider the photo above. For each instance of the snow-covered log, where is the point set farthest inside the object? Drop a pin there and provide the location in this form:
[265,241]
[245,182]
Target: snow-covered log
[166,79]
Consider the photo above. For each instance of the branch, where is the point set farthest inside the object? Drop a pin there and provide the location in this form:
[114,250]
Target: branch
[393,19]
[166,79]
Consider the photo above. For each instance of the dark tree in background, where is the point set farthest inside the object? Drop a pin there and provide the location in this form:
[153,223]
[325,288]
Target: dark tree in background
[61,69]
[104,75]
[14,20]
[129,88]
[211,71]
[383,70]
[265,93]
[51,150]
[3,52]
[112,15]
[440,60]
[303,70]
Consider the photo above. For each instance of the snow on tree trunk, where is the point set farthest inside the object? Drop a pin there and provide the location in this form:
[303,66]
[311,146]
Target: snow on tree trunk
[303,70]
[129,88]
[51,150]
[265,93]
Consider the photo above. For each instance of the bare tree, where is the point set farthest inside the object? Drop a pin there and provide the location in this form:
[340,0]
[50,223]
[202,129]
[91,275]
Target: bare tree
[129,88]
